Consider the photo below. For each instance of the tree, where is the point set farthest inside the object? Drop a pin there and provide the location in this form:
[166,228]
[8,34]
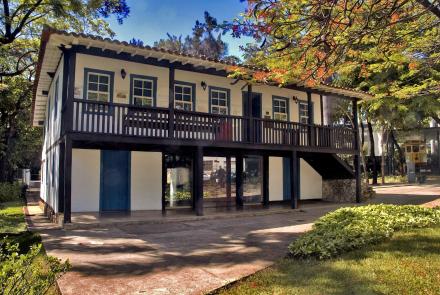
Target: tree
[21,22]
[20,143]
[206,39]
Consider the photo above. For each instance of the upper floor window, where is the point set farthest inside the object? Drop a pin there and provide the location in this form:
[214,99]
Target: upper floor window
[143,90]
[219,100]
[184,94]
[280,108]
[98,85]
[303,112]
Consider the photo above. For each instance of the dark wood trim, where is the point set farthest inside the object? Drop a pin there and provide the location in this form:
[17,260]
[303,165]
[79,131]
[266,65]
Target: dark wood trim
[64,91]
[198,181]
[295,181]
[310,119]
[356,158]
[67,179]
[239,180]
[228,181]
[321,109]
[266,181]
[150,61]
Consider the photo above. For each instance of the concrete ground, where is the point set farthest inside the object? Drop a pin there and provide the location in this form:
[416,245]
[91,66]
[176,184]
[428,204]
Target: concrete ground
[189,257]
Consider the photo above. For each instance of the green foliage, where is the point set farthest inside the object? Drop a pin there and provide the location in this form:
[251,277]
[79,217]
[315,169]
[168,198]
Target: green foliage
[10,191]
[205,40]
[24,274]
[350,228]
[408,263]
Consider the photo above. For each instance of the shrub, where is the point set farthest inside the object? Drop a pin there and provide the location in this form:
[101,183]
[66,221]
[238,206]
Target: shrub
[350,228]
[23,274]
[10,191]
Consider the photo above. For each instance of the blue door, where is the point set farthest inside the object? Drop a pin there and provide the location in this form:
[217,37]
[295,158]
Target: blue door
[115,181]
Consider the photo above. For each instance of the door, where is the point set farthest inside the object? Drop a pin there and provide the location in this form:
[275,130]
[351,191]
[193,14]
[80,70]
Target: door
[256,105]
[115,181]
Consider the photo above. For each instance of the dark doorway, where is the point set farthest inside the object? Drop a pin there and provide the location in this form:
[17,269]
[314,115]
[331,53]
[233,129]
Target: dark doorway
[256,104]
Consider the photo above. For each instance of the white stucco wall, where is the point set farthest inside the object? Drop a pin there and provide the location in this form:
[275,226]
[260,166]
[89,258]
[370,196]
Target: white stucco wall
[86,166]
[50,152]
[122,86]
[146,181]
[275,178]
[310,182]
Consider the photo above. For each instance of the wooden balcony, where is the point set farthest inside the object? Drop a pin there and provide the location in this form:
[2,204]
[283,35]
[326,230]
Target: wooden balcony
[161,123]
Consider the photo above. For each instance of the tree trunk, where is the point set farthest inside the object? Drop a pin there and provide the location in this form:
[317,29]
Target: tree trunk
[401,155]
[384,145]
[372,151]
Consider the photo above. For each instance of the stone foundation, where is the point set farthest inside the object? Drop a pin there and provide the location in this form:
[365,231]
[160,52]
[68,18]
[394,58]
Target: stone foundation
[344,191]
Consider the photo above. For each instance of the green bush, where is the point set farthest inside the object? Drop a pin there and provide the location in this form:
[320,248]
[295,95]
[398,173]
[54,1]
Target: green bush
[24,273]
[350,228]
[10,191]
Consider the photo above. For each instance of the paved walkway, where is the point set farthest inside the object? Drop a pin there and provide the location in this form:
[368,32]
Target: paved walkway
[189,257]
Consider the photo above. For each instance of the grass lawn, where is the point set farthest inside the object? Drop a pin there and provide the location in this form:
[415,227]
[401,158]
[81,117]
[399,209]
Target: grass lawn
[12,217]
[13,228]
[409,263]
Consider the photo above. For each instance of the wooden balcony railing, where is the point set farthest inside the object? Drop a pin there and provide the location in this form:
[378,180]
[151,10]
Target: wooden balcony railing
[156,122]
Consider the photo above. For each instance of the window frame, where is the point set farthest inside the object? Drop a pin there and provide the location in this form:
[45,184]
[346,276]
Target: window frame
[308,115]
[286,100]
[133,77]
[111,75]
[193,94]
[228,99]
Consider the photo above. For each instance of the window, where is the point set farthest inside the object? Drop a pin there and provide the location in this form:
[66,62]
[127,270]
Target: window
[183,96]
[98,87]
[219,99]
[143,90]
[280,109]
[303,112]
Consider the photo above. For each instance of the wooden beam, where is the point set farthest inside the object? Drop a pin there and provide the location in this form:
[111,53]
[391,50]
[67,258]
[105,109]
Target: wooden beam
[295,181]
[228,181]
[61,164]
[356,158]
[266,181]
[310,119]
[239,181]
[198,181]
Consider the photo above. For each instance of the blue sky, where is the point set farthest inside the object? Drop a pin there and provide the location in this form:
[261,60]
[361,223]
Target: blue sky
[150,20]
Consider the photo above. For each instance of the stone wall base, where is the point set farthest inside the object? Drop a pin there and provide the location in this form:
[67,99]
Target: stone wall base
[344,191]
[50,213]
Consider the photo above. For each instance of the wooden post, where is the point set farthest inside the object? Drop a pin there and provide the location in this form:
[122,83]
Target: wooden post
[356,159]
[239,181]
[228,181]
[295,181]
[198,181]
[171,102]
[67,179]
[266,181]
[251,130]
[310,119]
